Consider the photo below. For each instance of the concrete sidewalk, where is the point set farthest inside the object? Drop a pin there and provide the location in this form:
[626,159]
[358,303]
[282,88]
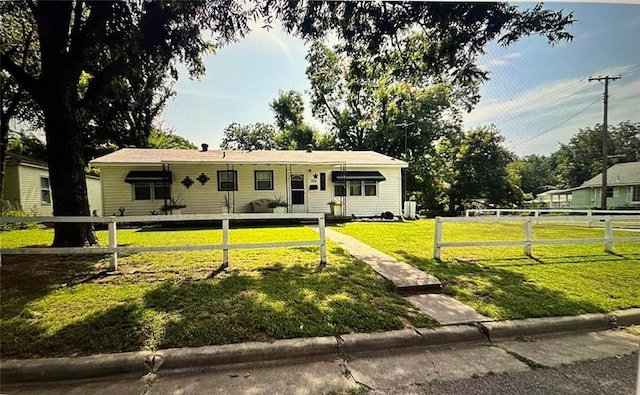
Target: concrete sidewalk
[406,278]
[425,289]
[346,372]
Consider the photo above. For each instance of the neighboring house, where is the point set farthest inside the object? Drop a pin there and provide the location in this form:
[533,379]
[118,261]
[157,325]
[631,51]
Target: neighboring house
[555,198]
[623,188]
[27,186]
[141,180]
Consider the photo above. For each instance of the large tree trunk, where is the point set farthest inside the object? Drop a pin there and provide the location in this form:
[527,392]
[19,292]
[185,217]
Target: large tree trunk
[67,174]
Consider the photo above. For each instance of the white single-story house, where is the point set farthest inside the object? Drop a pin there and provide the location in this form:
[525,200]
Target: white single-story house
[142,180]
[555,198]
[27,186]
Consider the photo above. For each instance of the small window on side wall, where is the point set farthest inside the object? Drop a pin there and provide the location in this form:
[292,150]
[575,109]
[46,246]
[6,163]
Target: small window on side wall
[227,180]
[263,180]
[45,190]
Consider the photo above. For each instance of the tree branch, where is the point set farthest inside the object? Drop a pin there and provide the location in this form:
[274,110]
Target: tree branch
[26,80]
[103,78]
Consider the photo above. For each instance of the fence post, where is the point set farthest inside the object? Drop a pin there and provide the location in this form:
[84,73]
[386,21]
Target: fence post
[537,214]
[113,243]
[528,236]
[225,242]
[466,213]
[590,222]
[323,240]
[608,235]
[498,214]
[437,238]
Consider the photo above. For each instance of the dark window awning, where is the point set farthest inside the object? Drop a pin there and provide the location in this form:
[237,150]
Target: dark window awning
[339,176]
[148,176]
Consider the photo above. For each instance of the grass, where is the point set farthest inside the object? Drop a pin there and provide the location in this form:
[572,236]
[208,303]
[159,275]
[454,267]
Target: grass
[501,282]
[69,305]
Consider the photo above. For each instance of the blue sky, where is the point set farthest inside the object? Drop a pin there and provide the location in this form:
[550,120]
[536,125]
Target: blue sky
[538,96]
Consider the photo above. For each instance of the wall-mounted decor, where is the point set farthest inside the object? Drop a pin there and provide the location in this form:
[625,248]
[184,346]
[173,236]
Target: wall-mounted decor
[203,178]
[187,182]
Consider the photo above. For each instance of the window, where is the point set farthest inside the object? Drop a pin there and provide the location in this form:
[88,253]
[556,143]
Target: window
[142,191]
[612,192]
[227,180]
[635,194]
[323,181]
[151,191]
[355,188]
[263,180]
[370,188]
[339,190]
[45,190]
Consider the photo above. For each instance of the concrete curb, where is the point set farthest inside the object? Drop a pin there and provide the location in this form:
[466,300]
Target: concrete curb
[141,363]
[545,325]
[625,317]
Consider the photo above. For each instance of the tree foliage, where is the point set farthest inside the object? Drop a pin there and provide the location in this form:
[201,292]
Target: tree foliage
[167,139]
[122,46]
[258,136]
[581,158]
[477,170]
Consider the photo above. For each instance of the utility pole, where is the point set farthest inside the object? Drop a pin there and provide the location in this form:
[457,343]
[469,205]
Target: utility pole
[605,136]
[406,157]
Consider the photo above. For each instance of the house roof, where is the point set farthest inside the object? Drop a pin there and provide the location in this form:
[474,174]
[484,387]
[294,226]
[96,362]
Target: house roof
[619,174]
[153,156]
[12,157]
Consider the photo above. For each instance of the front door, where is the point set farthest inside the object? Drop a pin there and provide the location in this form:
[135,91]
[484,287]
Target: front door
[298,201]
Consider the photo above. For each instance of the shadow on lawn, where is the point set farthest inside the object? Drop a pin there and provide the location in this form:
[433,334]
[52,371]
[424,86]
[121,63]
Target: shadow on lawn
[29,277]
[504,294]
[275,303]
[280,303]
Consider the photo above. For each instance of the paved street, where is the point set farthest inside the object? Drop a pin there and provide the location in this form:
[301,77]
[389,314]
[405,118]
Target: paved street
[611,376]
[575,363]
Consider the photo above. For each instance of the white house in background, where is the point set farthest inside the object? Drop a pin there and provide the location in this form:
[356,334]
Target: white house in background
[140,180]
[555,198]
[27,186]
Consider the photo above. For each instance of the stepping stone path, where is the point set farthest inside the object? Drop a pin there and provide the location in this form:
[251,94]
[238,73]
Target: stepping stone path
[423,290]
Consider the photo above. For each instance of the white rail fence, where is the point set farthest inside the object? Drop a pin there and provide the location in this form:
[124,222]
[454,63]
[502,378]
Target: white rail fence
[528,241]
[536,212]
[114,249]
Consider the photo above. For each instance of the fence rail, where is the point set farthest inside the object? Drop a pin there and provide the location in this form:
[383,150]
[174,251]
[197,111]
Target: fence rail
[536,212]
[114,249]
[528,241]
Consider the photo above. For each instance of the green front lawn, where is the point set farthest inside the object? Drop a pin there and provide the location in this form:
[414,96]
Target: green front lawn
[502,282]
[69,305]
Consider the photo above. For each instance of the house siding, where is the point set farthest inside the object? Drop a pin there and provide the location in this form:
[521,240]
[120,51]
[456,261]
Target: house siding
[206,199]
[30,197]
[592,197]
[12,185]
[94,193]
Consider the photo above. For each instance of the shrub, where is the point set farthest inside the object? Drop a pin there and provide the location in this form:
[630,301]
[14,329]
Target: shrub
[18,225]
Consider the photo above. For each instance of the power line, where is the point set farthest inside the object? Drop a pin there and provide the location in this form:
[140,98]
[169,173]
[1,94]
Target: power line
[554,127]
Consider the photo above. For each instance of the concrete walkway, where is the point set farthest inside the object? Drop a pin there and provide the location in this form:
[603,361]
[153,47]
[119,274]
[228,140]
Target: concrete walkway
[424,288]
